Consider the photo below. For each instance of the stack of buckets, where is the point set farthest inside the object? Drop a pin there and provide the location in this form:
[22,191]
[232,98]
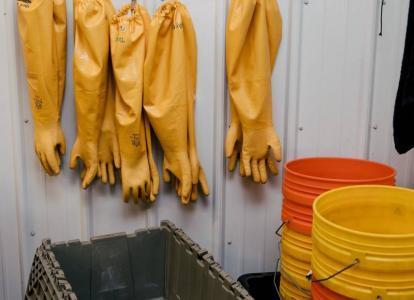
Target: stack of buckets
[363,244]
[305,180]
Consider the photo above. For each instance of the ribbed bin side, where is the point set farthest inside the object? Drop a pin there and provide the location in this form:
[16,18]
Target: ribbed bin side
[192,272]
[46,279]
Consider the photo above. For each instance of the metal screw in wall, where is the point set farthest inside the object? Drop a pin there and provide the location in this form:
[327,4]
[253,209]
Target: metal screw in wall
[26,121]
[306,2]
[229,242]
[300,128]
[375,127]
[32,233]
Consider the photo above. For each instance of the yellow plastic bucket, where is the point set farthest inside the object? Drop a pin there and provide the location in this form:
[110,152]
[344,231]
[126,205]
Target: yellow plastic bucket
[296,251]
[289,291]
[296,245]
[372,226]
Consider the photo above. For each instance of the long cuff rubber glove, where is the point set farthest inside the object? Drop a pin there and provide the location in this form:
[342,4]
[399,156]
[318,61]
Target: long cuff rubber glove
[250,88]
[234,136]
[155,178]
[90,74]
[198,176]
[128,49]
[108,149]
[165,93]
[36,23]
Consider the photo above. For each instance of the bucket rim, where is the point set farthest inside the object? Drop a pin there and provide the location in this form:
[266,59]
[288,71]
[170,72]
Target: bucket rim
[355,181]
[356,232]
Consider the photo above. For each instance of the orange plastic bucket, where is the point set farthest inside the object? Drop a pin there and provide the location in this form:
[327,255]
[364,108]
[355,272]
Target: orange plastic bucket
[320,292]
[299,216]
[305,179]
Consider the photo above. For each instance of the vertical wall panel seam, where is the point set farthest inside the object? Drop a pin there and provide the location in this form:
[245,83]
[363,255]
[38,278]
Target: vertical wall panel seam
[373,77]
[219,132]
[17,148]
[17,143]
[294,79]
[2,271]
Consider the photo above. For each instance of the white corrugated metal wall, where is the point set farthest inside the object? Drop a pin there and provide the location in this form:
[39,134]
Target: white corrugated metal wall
[334,88]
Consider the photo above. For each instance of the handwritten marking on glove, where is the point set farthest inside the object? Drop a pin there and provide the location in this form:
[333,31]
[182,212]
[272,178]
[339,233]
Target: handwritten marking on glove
[177,26]
[38,102]
[120,39]
[134,139]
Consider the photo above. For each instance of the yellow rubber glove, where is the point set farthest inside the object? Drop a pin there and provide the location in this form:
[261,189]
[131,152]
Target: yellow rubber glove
[166,93]
[198,176]
[128,49]
[90,74]
[254,31]
[41,24]
[108,149]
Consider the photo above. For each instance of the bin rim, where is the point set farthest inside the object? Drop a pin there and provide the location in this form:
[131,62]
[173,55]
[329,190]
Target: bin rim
[356,232]
[336,180]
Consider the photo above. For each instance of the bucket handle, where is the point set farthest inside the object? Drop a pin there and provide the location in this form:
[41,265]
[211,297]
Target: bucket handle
[280,228]
[304,291]
[353,264]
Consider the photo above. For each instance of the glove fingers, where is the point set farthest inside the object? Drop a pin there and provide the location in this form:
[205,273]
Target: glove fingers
[104,172]
[45,165]
[241,169]
[185,200]
[177,187]
[166,175]
[186,188]
[135,193]
[111,173]
[231,140]
[53,160]
[272,166]
[73,159]
[246,163]
[276,149]
[263,171]
[89,176]
[152,196]
[155,186]
[232,161]
[116,154]
[203,182]
[194,193]
[255,171]
[99,174]
[147,190]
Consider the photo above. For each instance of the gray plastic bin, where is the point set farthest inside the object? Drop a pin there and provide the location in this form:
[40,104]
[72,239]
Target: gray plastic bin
[158,263]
